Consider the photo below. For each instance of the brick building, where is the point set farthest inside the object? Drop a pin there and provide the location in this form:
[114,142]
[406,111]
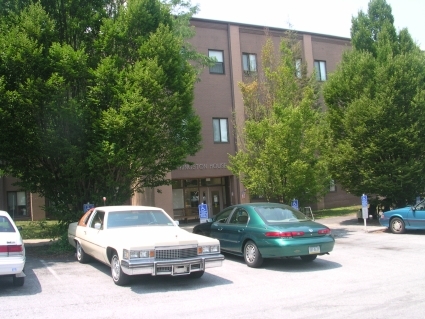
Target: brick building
[237,48]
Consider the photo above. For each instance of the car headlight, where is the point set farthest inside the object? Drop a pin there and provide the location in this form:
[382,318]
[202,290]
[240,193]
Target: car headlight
[208,249]
[132,254]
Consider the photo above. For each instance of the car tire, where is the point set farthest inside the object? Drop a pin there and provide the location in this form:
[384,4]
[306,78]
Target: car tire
[82,257]
[397,225]
[196,274]
[118,276]
[308,258]
[252,255]
[18,281]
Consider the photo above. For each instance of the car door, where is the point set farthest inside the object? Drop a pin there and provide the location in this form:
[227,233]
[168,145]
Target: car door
[218,227]
[416,216]
[95,242]
[235,229]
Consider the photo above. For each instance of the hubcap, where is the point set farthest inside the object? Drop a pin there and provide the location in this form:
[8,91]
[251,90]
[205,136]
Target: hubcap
[78,251]
[397,225]
[250,253]
[115,268]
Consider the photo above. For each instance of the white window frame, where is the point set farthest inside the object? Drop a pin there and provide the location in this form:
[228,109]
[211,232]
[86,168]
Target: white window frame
[220,130]
[249,63]
[298,68]
[332,186]
[320,67]
[218,67]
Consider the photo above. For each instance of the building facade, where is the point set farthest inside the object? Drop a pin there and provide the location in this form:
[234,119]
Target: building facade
[218,100]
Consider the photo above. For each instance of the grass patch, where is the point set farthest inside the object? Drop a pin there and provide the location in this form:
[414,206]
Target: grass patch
[42,229]
[336,212]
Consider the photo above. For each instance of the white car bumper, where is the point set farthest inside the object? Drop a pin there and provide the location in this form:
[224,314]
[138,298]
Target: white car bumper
[173,267]
[12,266]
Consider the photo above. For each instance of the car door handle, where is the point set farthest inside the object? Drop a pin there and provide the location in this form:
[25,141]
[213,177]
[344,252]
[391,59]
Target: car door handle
[220,229]
[240,230]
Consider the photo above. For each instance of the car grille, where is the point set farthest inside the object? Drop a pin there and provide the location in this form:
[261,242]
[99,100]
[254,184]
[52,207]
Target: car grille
[167,254]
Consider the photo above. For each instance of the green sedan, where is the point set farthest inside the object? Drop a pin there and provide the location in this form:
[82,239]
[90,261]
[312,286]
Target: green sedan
[267,230]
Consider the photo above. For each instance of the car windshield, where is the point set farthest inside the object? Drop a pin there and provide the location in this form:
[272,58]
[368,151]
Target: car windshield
[138,218]
[280,214]
[5,225]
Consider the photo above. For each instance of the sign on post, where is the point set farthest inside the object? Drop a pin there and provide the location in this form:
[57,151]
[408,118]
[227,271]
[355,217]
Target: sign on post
[203,213]
[365,210]
[294,203]
[87,206]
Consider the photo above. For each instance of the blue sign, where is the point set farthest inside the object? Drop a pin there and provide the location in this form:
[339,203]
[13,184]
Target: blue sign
[364,200]
[203,211]
[294,203]
[87,206]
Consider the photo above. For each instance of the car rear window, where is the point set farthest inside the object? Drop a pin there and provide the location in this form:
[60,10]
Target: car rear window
[5,225]
[280,214]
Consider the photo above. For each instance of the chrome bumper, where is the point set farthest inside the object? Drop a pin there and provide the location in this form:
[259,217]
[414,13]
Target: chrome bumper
[174,267]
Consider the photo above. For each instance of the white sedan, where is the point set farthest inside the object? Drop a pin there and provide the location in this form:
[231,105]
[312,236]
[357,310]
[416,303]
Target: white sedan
[135,240]
[12,250]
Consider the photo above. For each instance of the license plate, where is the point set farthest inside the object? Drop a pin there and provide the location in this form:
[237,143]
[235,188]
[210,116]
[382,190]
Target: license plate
[314,250]
[180,269]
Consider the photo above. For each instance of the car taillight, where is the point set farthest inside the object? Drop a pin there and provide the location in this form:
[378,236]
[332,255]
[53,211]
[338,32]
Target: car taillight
[324,231]
[11,249]
[285,234]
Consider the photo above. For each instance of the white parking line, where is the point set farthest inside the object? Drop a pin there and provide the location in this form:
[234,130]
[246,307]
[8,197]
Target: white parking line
[51,270]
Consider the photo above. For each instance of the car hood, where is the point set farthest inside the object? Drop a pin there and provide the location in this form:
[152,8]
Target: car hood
[155,236]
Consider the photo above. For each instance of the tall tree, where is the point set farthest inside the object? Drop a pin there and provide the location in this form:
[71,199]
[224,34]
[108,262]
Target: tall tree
[280,139]
[376,110]
[94,102]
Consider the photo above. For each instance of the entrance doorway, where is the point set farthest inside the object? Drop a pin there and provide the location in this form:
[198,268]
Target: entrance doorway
[213,197]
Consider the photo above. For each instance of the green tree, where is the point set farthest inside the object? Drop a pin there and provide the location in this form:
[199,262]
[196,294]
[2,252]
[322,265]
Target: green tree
[280,139]
[95,99]
[376,110]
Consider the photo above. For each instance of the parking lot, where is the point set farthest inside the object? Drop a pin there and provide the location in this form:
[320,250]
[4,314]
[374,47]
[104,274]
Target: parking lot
[373,274]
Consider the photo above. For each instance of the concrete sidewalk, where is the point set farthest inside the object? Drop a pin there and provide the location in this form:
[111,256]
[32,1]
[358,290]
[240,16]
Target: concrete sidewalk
[348,222]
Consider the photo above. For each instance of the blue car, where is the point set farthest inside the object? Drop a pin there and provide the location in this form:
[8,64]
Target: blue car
[410,217]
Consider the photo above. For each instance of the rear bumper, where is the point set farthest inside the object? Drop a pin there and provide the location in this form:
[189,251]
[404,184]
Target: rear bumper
[12,266]
[173,267]
[297,247]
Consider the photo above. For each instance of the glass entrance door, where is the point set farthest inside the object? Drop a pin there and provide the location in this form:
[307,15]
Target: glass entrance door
[213,197]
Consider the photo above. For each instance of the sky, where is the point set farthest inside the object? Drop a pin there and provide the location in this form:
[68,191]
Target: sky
[331,17]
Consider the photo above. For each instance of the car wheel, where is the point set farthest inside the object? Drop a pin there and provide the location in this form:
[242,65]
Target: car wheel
[82,257]
[397,225]
[308,258]
[118,276]
[196,274]
[18,281]
[252,255]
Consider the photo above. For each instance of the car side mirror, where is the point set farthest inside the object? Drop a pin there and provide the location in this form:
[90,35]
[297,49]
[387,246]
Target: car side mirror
[19,228]
[97,225]
[209,220]
[176,222]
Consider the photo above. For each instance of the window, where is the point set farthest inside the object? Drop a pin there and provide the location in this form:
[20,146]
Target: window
[222,217]
[332,187]
[98,219]
[239,217]
[298,72]
[320,67]
[220,130]
[249,63]
[17,204]
[218,67]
